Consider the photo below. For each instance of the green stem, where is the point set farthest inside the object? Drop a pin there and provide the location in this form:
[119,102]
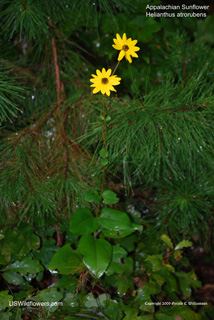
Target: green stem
[105,132]
[105,148]
[116,67]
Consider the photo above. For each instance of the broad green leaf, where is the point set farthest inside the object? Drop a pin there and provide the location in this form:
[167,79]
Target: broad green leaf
[14,278]
[21,295]
[187,281]
[6,315]
[67,281]
[51,297]
[167,240]
[104,162]
[29,239]
[5,259]
[114,234]
[70,301]
[66,260]
[164,316]
[123,284]
[110,197]
[169,267]
[116,266]
[118,253]
[114,309]
[128,265]
[47,251]
[92,196]
[19,241]
[183,311]
[96,253]
[182,244]
[25,266]
[156,261]
[103,154]
[101,301]
[83,222]
[147,290]
[114,220]
[170,279]
[131,313]
[128,242]
[144,296]
[5,299]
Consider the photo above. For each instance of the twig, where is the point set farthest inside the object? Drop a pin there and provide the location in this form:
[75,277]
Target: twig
[59,238]
[184,71]
[57,72]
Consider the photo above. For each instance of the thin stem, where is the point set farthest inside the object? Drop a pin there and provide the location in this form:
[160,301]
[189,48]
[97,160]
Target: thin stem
[116,67]
[105,148]
[105,133]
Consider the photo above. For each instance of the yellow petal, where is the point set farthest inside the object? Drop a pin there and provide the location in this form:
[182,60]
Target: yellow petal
[114,82]
[118,37]
[99,73]
[117,42]
[103,72]
[95,79]
[133,43]
[136,48]
[103,90]
[95,84]
[117,47]
[133,54]
[94,75]
[114,79]
[129,40]
[108,92]
[108,73]
[111,88]
[124,37]
[121,55]
[128,58]
[96,90]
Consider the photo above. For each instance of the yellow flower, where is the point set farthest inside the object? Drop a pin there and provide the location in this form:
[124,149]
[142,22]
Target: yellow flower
[104,82]
[127,47]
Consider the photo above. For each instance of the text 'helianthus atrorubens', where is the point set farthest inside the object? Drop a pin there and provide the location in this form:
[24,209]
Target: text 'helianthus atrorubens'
[126,46]
[104,82]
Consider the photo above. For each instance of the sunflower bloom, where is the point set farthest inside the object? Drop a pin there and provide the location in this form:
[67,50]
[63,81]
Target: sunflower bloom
[126,46]
[104,82]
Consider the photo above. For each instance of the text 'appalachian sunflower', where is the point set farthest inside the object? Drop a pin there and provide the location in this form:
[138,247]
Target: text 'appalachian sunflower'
[104,82]
[127,47]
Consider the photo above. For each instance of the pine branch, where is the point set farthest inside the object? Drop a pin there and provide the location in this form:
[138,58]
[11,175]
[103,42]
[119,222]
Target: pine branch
[57,73]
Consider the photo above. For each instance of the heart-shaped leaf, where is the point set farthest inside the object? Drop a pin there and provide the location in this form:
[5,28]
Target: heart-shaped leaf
[66,260]
[92,196]
[114,219]
[83,222]
[110,197]
[96,253]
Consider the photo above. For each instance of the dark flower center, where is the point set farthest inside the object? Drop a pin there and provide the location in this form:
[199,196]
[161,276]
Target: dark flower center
[125,47]
[104,80]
